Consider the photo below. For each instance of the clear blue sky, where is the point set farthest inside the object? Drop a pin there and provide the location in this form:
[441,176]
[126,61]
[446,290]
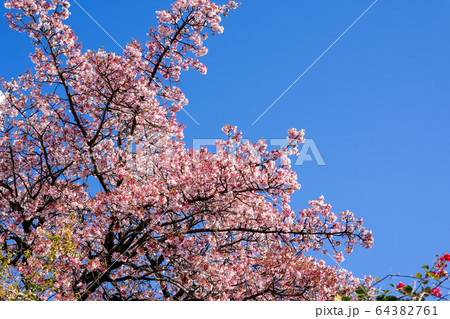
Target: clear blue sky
[376,105]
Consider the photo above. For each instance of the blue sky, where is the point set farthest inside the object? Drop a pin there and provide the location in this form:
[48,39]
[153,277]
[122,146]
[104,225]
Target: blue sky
[376,104]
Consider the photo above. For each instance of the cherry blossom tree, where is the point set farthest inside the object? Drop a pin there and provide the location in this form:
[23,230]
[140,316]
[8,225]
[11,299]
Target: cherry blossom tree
[168,223]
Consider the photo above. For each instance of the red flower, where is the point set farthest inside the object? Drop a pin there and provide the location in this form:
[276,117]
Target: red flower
[435,292]
[400,285]
[447,257]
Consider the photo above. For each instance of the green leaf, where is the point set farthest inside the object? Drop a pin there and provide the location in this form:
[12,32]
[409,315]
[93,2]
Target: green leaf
[361,290]
[425,267]
[386,298]
[346,298]
[419,275]
[408,289]
[426,289]
[390,298]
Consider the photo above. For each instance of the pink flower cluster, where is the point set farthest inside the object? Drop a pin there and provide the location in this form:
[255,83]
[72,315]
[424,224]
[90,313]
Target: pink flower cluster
[440,265]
